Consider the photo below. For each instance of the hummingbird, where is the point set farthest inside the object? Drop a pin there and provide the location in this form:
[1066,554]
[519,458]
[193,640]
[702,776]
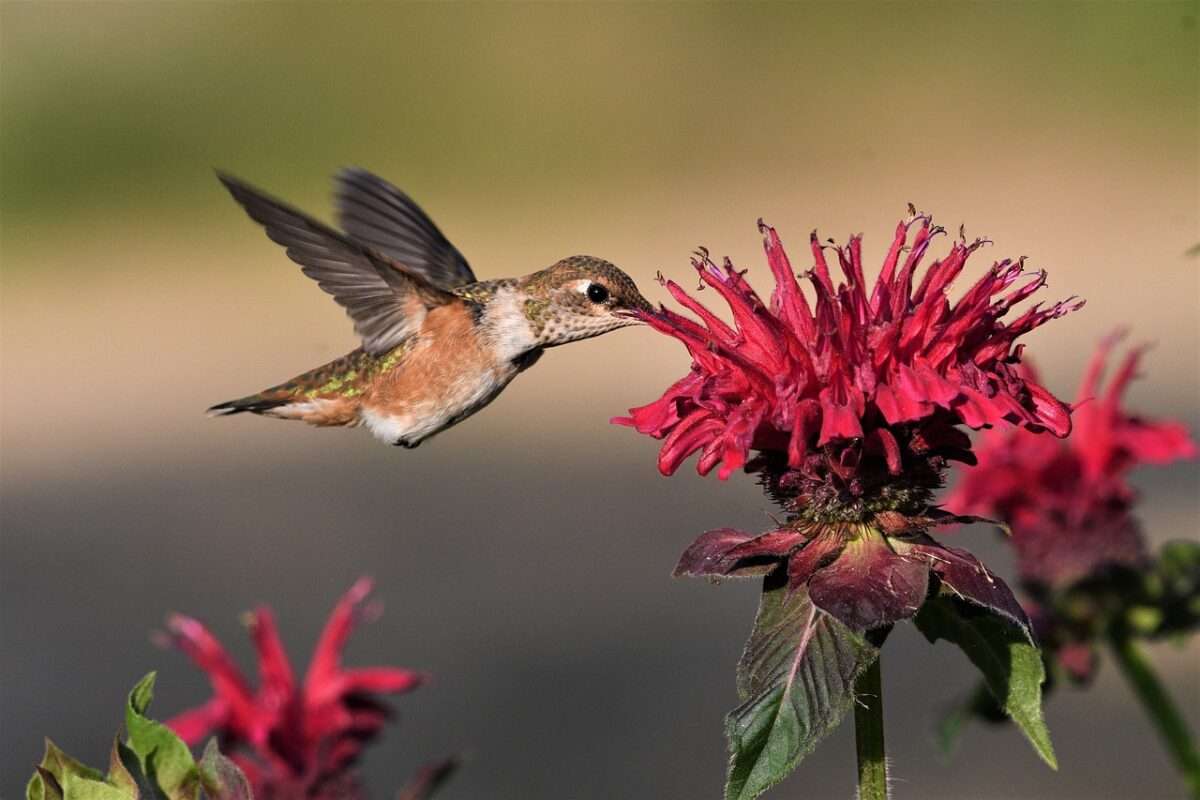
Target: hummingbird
[437,344]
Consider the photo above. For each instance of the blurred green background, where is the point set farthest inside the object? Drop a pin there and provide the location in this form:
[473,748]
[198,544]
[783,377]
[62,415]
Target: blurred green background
[523,556]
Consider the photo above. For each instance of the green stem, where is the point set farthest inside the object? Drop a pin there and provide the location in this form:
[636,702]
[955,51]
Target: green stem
[868,734]
[1157,703]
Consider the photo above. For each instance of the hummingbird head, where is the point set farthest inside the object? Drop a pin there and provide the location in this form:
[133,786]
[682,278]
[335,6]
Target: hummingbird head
[580,297]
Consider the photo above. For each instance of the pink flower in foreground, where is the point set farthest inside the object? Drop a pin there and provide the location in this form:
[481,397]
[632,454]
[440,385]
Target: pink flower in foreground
[292,739]
[1069,502]
[853,404]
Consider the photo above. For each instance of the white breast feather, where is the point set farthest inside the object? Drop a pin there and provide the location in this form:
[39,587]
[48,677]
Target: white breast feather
[512,335]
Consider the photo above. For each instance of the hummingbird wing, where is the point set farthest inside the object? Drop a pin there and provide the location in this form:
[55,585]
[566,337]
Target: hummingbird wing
[387,303]
[379,215]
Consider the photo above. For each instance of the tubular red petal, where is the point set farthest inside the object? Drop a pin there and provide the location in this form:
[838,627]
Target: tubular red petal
[1089,388]
[886,441]
[274,669]
[1050,412]
[190,636]
[820,272]
[327,656]
[195,725]
[693,432]
[787,300]
[881,296]
[716,325]
[379,680]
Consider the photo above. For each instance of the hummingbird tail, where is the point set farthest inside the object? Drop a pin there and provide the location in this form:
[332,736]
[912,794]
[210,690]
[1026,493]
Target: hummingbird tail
[255,404]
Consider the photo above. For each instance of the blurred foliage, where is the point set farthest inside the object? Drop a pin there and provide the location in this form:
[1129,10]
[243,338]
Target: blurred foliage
[152,763]
[128,105]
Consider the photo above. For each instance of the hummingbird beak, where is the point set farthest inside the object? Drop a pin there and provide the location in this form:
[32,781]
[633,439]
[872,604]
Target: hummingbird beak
[638,309]
[635,315]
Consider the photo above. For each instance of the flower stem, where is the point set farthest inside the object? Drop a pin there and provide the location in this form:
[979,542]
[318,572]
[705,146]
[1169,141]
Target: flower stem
[1157,703]
[868,734]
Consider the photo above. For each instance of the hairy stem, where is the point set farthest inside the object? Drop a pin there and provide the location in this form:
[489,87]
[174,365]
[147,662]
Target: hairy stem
[868,734]
[1158,705]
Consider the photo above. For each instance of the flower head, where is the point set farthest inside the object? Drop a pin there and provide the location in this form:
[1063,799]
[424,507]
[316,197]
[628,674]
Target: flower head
[1069,502]
[853,404]
[858,395]
[292,739]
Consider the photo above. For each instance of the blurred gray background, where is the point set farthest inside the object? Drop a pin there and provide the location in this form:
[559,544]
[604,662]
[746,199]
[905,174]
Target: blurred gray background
[523,557]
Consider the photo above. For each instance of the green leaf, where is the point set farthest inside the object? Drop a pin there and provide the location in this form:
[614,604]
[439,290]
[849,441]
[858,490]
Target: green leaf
[1011,664]
[796,676]
[59,764]
[43,786]
[77,787]
[222,778]
[163,756]
[54,774]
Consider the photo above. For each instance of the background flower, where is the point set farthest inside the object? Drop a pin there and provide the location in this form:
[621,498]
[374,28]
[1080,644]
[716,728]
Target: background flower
[1069,503]
[1082,557]
[293,740]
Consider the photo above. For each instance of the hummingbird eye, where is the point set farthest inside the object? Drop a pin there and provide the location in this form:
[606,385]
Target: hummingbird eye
[597,293]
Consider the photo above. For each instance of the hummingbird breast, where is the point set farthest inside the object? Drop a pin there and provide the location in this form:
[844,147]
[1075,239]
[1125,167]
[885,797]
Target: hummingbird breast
[448,372]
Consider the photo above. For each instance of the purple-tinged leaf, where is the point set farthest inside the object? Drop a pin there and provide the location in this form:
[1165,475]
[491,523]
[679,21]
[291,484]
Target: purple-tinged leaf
[820,550]
[705,555]
[967,577]
[222,779]
[727,552]
[796,675]
[869,585]
[772,544]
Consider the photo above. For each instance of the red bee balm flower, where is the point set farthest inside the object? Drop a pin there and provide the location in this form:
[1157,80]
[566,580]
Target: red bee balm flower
[853,405]
[292,740]
[883,375]
[1069,503]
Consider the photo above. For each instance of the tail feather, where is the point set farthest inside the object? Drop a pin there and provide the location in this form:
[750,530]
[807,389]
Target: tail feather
[327,395]
[255,404]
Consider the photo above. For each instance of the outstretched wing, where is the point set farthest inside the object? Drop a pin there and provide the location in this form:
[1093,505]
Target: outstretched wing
[382,217]
[386,303]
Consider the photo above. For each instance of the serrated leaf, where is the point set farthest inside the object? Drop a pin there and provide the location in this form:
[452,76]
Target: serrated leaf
[222,779]
[163,756]
[798,672]
[1011,664]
